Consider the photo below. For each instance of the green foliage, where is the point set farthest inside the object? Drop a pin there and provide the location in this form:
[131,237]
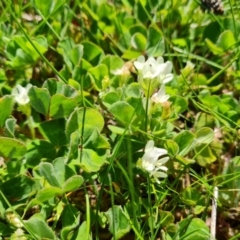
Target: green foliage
[118,119]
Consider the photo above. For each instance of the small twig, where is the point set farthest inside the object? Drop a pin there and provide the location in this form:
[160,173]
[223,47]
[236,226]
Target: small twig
[214,214]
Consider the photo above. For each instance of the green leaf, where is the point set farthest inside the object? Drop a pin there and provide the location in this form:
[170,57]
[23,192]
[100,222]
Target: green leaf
[38,149]
[231,180]
[73,183]
[226,40]
[46,169]
[6,106]
[166,218]
[110,98]
[213,47]
[212,31]
[39,228]
[91,160]
[45,7]
[118,222]
[10,126]
[20,187]
[184,161]
[197,229]
[70,220]
[74,84]
[20,59]
[11,148]
[138,41]
[118,130]
[191,196]
[75,139]
[123,112]
[60,175]
[62,171]
[98,73]
[76,54]
[67,90]
[97,141]
[131,53]
[52,131]
[183,225]
[39,99]
[65,48]
[172,147]
[51,85]
[84,120]
[112,62]
[39,42]
[62,106]
[205,155]
[155,42]
[204,135]
[69,215]
[198,209]
[46,194]
[135,28]
[204,120]
[3,227]
[82,233]
[133,90]
[3,76]
[180,104]
[185,142]
[92,52]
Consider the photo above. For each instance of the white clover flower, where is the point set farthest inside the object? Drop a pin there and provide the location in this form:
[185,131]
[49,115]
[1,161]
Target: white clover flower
[160,96]
[165,74]
[148,69]
[151,162]
[124,70]
[19,235]
[153,68]
[157,173]
[21,94]
[139,63]
[16,222]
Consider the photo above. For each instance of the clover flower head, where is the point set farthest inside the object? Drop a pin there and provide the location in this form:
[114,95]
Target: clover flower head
[148,69]
[19,234]
[21,94]
[139,64]
[160,96]
[165,74]
[154,68]
[151,162]
[16,222]
[124,70]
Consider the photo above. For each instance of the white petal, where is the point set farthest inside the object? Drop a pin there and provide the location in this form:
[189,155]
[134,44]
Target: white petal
[148,166]
[160,175]
[162,161]
[160,60]
[151,62]
[160,96]
[21,94]
[168,67]
[149,145]
[167,78]
[117,72]
[162,168]
[29,85]
[139,64]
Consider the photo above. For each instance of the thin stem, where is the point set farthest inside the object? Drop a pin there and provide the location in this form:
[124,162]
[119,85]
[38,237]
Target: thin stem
[214,213]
